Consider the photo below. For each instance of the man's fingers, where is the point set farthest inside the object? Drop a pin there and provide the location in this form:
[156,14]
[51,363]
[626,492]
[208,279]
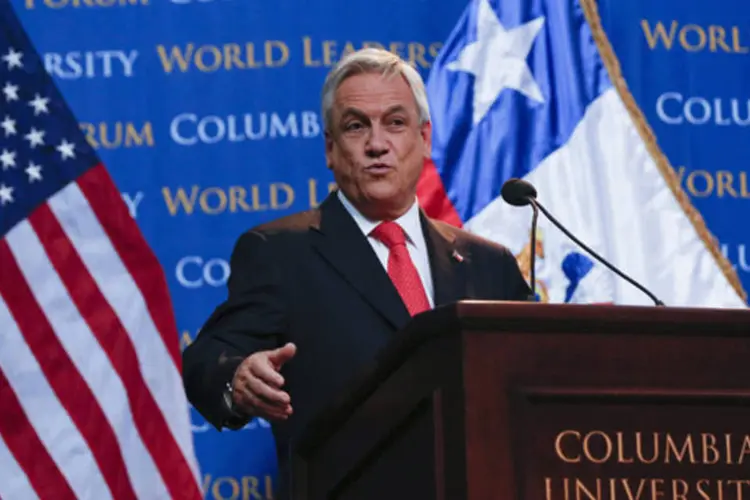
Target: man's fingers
[267,393]
[265,371]
[266,410]
[283,354]
[257,383]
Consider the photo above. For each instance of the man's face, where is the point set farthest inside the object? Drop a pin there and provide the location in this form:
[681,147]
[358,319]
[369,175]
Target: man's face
[376,146]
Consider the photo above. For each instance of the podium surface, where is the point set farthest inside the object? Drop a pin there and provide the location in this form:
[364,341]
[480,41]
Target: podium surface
[491,400]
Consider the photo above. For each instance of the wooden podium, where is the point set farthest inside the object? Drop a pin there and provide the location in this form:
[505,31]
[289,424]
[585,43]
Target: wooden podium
[489,400]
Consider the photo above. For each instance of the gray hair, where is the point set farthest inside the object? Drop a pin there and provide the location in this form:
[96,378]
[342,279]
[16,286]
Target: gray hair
[374,60]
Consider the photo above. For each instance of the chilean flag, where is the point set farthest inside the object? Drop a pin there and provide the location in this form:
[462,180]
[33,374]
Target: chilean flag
[526,88]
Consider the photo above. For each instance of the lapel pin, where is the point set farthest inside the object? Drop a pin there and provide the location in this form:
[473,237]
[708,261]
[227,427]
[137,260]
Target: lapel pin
[457,256]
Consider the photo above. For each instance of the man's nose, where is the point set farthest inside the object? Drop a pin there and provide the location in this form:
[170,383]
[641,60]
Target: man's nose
[377,144]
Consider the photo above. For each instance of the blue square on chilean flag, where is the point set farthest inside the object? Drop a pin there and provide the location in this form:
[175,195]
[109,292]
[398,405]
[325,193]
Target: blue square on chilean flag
[521,89]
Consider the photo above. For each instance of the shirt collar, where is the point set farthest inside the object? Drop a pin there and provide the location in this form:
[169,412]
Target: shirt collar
[409,221]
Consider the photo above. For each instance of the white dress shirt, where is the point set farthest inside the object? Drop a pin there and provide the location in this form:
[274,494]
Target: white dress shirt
[415,242]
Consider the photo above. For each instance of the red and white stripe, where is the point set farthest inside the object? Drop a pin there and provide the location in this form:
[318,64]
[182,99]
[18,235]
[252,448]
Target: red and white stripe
[90,386]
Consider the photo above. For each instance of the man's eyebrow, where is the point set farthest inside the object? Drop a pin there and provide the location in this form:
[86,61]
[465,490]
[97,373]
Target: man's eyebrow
[358,113]
[353,112]
[397,108]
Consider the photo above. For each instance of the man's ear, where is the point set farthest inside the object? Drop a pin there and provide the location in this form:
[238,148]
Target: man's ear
[426,132]
[329,148]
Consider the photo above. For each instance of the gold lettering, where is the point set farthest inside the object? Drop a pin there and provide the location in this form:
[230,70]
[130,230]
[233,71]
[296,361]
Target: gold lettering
[745,450]
[398,49]
[232,54]
[559,449]
[230,488]
[709,445]
[255,194]
[90,132]
[133,137]
[328,52]
[250,488]
[180,199]
[289,195]
[639,448]
[728,447]
[234,485]
[218,200]
[307,52]
[724,184]
[117,135]
[607,447]
[580,488]
[744,193]
[213,208]
[702,183]
[694,38]
[707,179]
[415,55]
[619,488]
[736,43]
[620,450]
[660,32]
[214,58]
[211,58]
[655,493]
[629,492]
[739,484]
[547,488]
[717,35]
[684,38]
[237,196]
[312,189]
[282,48]
[687,447]
[699,487]
[175,55]
[680,495]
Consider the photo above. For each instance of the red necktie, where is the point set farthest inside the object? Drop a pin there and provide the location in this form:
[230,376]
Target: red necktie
[401,269]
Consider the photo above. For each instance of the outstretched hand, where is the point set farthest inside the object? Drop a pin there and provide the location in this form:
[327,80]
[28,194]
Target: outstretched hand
[257,384]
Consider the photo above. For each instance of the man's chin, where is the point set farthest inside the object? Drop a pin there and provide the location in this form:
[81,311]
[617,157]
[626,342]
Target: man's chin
[385,204]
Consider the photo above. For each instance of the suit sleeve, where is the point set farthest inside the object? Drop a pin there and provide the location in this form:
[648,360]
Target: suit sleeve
[253,318]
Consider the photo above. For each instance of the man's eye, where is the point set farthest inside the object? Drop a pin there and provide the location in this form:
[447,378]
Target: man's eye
[353,126]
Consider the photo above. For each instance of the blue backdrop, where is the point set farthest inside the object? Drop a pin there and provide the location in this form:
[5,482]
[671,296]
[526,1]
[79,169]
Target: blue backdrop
[206,113]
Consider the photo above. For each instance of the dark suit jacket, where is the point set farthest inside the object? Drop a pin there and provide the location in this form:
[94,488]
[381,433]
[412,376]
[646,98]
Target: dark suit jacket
[313,279]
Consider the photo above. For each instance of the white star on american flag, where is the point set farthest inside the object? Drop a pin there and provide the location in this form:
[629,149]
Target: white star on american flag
[8,159]
[6,194]
[66,149]
[8,125]
[39,104]
[10,91]
[35,138]
[13,59]
[34,172]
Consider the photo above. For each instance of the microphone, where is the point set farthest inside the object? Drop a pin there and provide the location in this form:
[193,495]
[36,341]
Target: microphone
[519,193]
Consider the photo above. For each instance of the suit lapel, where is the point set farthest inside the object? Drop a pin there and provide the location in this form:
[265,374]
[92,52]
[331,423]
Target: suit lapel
[447,263]
[341,243]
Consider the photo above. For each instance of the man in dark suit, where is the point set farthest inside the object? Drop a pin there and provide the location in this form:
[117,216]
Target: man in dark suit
[314,296]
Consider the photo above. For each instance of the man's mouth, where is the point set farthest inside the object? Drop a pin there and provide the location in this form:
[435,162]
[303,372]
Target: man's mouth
[378,168]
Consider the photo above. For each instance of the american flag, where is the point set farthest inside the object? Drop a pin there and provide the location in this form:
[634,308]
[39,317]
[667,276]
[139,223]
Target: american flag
[91,398]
